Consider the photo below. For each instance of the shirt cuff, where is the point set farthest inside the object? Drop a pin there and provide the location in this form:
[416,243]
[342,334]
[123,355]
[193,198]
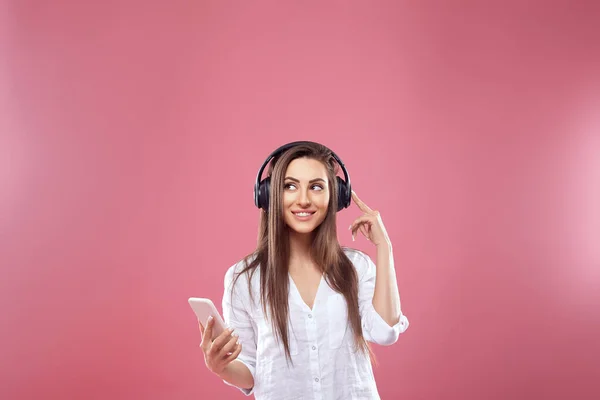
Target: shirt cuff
[247,392]
[380,331]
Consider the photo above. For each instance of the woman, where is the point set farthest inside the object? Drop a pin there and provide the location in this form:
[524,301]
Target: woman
[301,308]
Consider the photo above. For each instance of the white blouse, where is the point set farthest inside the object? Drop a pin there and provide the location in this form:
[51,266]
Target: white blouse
[321,341]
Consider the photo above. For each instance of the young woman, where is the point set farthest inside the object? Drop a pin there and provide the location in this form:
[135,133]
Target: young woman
[301,308]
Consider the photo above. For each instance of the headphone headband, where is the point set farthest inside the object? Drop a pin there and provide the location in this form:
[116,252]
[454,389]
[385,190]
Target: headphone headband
[342,185]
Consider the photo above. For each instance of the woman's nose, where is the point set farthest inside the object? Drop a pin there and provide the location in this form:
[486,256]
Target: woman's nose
[303,198]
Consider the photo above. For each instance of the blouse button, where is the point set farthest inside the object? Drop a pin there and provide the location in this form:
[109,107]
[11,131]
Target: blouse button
[316,379]
[309,315]
[314,348]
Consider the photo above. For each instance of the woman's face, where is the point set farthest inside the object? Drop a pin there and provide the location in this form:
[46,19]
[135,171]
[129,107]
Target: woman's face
[305,195]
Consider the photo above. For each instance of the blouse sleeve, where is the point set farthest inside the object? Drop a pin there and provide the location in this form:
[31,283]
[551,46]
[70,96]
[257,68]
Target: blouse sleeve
[375,329]
[237,317]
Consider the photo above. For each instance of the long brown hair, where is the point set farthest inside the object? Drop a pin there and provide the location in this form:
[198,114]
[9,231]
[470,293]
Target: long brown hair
[272,252]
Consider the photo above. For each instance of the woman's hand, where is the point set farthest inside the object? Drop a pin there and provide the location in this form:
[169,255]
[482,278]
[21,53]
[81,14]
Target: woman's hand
[370,224]
[220,352]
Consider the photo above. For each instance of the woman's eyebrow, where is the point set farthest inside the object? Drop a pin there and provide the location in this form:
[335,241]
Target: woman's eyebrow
[311,181]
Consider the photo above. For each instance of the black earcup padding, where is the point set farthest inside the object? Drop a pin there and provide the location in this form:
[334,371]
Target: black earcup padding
[344,195]
[263,193]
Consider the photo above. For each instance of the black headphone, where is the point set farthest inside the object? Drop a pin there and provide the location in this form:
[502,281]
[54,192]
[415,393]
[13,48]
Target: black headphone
[262,188]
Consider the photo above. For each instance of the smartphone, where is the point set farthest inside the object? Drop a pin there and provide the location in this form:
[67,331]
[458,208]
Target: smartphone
[203,308]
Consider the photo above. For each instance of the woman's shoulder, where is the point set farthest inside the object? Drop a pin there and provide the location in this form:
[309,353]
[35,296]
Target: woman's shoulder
[361,260]
[239,274]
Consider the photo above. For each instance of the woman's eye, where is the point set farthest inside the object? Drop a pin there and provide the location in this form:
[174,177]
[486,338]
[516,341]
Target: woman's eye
[292,186]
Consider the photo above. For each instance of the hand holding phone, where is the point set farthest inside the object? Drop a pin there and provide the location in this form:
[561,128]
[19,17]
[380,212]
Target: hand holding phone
[205,308]
[219,344]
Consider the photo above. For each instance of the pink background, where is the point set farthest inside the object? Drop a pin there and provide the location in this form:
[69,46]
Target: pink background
[131,134]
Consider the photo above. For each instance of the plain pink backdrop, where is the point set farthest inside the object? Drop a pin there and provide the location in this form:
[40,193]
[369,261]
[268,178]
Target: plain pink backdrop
[131,134]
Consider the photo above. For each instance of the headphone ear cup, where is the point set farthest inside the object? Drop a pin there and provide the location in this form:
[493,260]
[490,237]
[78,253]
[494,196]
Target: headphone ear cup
[343,194]
[263,193]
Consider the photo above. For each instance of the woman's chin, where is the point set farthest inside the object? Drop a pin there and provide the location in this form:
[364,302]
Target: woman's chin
[302,230]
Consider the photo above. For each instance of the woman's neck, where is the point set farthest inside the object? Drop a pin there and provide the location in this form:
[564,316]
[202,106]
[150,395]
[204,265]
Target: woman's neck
[300,245]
